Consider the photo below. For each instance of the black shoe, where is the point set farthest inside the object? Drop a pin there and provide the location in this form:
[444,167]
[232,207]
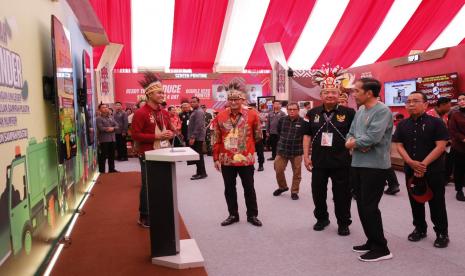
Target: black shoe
[460,196]
[197,177]
[260,168]
[144,222]
[320,225]
[270,159]
[254,221]
[294,196]
[230,220]
[392,190]
[361,248]
[343,230]
[416,235]
[376,256]
[442,241]
[280,191]
[124,159]
[113,171]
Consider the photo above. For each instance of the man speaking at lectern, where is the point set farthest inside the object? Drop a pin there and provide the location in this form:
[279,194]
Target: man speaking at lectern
[236,131]
[151,129]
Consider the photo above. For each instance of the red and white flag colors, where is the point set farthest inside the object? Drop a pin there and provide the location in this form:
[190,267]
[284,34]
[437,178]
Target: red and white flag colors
[228,35]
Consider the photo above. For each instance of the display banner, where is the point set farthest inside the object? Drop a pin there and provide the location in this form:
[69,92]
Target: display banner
[210,91]
[434,87]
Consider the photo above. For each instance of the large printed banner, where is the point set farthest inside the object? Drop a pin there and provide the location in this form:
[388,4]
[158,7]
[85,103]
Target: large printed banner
[434,87]
[210,89]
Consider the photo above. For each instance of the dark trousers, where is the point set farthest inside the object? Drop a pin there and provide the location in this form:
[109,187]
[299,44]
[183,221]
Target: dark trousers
[265,139]
[437,205]
[341,193]
[450,164]
[121,147]
[143,196]
[106,151]
[459,172]
[259,148]
[246,174]
[208,142]
[391,178]
[198,147]
[274,138]
[368,185]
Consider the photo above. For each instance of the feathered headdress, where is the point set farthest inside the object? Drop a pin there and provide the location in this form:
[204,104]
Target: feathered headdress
[329,77]
[151,83]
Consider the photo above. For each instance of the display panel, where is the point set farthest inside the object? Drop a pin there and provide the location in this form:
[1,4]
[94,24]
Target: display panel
[434,87]
[64,91]
[396,92]
[265,103]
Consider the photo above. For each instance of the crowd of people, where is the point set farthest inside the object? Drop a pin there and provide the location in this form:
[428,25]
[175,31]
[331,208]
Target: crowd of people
[333,141]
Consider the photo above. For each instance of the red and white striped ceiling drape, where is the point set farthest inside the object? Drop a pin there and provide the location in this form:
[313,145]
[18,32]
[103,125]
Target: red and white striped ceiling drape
[202,35]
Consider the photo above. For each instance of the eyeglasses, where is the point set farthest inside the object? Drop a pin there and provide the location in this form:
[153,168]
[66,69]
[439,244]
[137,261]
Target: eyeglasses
[292,109]
[413,102]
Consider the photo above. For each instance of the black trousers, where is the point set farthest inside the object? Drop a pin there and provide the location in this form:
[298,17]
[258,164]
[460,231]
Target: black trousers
[246,174]
[143,196]
[391,178]
[341,193]
[437,205]
[450,164]
[274,138]
[368,185]
[106,151]
[459,172]
[121,147]
[259,148]
[198,147]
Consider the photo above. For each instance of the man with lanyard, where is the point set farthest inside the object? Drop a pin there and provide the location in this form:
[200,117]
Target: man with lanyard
[196,133]
[326,132]
[291,132]
[151,129]
[272,127]
[421,141]
[236,130]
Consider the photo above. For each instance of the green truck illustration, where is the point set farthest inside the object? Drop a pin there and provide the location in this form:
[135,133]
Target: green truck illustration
[34,194]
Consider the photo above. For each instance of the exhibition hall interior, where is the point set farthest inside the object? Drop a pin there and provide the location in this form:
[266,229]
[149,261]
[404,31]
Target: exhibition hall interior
[232,137]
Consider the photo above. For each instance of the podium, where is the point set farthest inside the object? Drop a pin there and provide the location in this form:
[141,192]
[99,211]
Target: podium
[166,248]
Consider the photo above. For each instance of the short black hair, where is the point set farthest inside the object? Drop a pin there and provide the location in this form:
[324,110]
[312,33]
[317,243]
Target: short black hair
[442,100]
[203,106]
[141,101]
[164,104]
[293,103]
[196,98]
[252,104]
[170,107]
[100,105]
[425,99]
[118,103]
[461,94]
[371,84]
[306,104]
[276,101]
[400,116]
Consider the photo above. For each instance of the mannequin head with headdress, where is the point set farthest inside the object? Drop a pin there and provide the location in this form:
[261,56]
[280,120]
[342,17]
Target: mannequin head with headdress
[153,88]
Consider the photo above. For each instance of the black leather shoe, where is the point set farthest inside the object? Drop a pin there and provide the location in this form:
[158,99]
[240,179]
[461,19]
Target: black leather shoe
[343,230]
[294,196]
[392,190]
[320,225]
[197,177]
[416,235]
[270,159]
[113,171]
[254,221]
[460,196]
[280,191]
[260,168]
[442,241]
[230,220]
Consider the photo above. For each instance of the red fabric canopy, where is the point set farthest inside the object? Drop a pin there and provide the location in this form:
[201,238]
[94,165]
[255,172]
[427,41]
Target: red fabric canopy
[429,20]
[357,27]
[197,32]
[284,22]
[115,16]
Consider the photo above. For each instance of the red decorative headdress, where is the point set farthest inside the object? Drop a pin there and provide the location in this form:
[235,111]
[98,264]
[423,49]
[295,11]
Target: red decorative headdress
[329,77]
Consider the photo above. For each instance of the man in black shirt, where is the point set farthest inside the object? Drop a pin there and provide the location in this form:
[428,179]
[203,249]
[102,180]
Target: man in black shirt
[184,116]
[328,127]
[421,141]
[291,130]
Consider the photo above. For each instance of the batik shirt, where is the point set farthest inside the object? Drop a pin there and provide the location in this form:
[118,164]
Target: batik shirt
[234,137]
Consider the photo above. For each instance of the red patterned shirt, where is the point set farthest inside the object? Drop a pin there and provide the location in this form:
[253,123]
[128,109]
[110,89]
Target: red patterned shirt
[234,137]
